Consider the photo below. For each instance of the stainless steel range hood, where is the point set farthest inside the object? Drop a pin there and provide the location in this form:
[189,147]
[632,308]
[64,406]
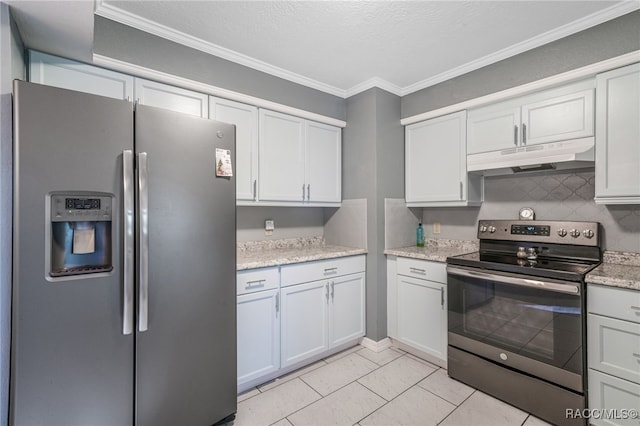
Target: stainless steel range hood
[573,154]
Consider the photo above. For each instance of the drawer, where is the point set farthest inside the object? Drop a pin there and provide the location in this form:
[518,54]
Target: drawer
[423,269]
[253,280]
[321,269]
[614,302]
[614,347]
[614,395]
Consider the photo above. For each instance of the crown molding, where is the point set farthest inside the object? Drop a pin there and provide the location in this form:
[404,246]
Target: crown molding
[116,14]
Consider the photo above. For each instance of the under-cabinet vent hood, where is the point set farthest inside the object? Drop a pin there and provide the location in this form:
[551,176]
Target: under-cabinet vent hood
[573,154]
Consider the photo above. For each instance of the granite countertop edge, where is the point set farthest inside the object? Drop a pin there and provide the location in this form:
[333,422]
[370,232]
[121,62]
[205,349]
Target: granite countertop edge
[619,269]
[280,257]
[435,250]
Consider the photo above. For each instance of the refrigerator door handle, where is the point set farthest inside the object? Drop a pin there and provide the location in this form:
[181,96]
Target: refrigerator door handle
[143,236]
[129,252]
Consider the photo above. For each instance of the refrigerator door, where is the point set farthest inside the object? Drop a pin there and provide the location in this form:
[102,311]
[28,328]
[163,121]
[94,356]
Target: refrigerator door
[186,345]
[71,364]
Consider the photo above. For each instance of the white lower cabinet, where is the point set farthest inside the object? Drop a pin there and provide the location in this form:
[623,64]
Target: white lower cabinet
[324,313]
[613,338]
[417,298]
[258,324]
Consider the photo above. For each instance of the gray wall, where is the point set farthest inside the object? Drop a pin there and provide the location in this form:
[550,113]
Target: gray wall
[373,168]
[137,47]
[11,66]
[290,222]
[604,41]
[553,196]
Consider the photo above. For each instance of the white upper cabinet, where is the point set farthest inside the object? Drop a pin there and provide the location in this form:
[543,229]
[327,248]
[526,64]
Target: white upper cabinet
[172,98]
[618,136]
[299,161]
[245,118]
[66,74]
[436,164]
[324,163]
[282,157]
[553,115]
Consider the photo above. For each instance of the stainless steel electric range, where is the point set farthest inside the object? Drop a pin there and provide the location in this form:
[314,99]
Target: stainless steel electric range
[516,314]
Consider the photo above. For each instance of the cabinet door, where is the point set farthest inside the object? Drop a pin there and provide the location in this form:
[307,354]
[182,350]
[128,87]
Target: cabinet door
[172,98]
[323,163]
[559,118]
[422,315]
[245,117]
[435,160]
[66,74]
[617,136]
[614,396]
[258,334]
[493,128]
[347,309]
[281,157]
[614,347]
[304,321]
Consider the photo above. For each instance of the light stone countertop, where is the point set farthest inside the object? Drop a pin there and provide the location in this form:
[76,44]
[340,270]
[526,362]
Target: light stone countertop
[435,250]
[618,269]
[252,255]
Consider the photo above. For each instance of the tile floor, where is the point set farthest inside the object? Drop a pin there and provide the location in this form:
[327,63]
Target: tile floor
[359,386]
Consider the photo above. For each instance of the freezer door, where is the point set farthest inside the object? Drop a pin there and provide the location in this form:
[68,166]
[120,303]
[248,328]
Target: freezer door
[71,364]
[186,346]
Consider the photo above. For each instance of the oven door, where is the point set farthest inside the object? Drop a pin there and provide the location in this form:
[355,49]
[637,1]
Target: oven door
[527,323]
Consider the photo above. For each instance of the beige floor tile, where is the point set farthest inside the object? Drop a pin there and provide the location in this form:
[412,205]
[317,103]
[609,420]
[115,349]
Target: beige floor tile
[482,410]
[342,354]
[414,407]
[248,394]
[290,376]
[275,404]
[534,421]
[445,387]
[337,374]
[346,406]
[283,422]
[380,358]
[396,377]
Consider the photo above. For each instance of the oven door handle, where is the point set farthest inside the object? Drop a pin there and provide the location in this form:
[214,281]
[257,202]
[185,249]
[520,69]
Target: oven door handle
[557,287]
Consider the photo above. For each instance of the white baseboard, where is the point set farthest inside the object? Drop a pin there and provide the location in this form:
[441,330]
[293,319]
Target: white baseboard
[376,346]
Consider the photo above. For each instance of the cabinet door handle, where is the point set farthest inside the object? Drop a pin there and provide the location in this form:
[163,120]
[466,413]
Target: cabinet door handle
[327,293]
[515,134]
[332,289]
[277,304]
[308,192]
[303,192]
[461,188]
[524,134]
[442,297]
[255,190]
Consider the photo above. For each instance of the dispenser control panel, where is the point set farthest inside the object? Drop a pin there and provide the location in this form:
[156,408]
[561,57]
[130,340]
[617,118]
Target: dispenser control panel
[73,208]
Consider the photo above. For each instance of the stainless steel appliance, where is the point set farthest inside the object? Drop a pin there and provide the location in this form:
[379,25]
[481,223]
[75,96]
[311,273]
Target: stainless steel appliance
[516,314]
[124,264]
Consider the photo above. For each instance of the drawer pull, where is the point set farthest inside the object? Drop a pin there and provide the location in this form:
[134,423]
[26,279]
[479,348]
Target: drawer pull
[417,270]
[637,309]
[636,355]
[254,284]
[333,270]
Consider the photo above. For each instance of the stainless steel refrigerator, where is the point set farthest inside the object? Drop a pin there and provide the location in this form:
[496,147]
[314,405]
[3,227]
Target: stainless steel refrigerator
[124,263]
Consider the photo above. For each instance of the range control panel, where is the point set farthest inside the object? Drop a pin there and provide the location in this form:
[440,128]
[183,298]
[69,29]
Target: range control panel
[559,232]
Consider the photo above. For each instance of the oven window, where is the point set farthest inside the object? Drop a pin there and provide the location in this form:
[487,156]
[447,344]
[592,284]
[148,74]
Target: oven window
[538,324]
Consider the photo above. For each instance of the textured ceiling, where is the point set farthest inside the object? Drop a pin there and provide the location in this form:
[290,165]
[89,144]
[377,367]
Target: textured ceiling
[343,47]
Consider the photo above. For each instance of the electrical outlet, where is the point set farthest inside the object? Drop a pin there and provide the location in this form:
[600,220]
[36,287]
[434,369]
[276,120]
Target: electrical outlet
[269,227]
[436,228]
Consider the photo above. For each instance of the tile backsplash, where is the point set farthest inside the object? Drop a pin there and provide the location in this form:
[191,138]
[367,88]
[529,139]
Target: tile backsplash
[553,196]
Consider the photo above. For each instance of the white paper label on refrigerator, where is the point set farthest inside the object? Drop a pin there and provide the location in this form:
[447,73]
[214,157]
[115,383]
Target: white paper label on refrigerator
[223,162]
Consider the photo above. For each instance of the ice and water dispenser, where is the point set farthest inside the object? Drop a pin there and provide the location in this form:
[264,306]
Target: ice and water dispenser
[81,237]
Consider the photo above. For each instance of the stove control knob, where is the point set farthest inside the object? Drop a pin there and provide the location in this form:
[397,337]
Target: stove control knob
[574,233]
[562,232]
[483,228]
[588,233]
[492,229]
